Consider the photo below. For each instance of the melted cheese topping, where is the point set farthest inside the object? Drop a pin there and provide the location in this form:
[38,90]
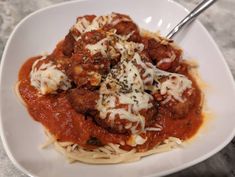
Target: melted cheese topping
[114,44]
[83,25]
[173,84]
[124,86]
[171,58]
[128,49]
[99,47]
[47,78]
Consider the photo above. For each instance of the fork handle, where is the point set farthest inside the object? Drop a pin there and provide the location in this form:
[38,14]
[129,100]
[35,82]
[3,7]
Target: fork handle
[191,16]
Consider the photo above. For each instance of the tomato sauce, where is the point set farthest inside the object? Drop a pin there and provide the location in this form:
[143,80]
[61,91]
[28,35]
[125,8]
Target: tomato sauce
[56,114]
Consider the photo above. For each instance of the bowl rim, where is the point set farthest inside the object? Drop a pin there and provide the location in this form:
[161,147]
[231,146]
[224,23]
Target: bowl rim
[173,170]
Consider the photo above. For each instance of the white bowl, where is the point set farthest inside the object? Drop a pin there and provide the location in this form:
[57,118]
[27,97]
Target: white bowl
[40,31]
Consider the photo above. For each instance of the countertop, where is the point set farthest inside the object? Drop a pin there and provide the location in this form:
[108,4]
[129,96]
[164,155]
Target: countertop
[219,21]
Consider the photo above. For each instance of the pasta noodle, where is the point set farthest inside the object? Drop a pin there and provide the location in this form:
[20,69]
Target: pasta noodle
[108,154]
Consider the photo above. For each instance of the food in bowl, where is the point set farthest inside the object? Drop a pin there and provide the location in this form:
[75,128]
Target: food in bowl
[111,92]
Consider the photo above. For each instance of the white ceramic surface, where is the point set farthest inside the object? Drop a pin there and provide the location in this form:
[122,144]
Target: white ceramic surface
[40,31]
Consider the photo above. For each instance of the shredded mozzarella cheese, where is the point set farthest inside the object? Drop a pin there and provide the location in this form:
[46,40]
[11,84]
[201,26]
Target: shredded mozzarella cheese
[83,25]
[171,58]
[119,44]
[100,46]
[124,86]
[173,86]
[47,78]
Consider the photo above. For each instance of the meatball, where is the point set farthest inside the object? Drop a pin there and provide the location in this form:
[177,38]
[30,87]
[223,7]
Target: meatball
[165,56]
[86,71]
[82,100]
[180,110]
[177,109]
[191,97]
[70,39]
[93,37]
[123,126]
[68,45]
[90,39]
[127,27]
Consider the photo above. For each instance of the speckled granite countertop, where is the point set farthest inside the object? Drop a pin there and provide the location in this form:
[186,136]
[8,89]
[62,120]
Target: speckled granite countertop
[219,21]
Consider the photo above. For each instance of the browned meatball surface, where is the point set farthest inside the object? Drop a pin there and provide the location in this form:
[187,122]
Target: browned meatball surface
[82,100]
[88,72]
[177,109]
[163,55]
[68,44]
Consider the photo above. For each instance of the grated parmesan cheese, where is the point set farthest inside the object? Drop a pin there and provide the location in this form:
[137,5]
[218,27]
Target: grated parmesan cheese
[47,78]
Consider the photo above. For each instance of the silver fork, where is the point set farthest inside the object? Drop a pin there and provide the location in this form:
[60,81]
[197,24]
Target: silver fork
[190,17]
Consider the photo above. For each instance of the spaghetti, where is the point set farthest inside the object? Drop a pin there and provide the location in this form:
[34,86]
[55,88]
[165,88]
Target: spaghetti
[108,154]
